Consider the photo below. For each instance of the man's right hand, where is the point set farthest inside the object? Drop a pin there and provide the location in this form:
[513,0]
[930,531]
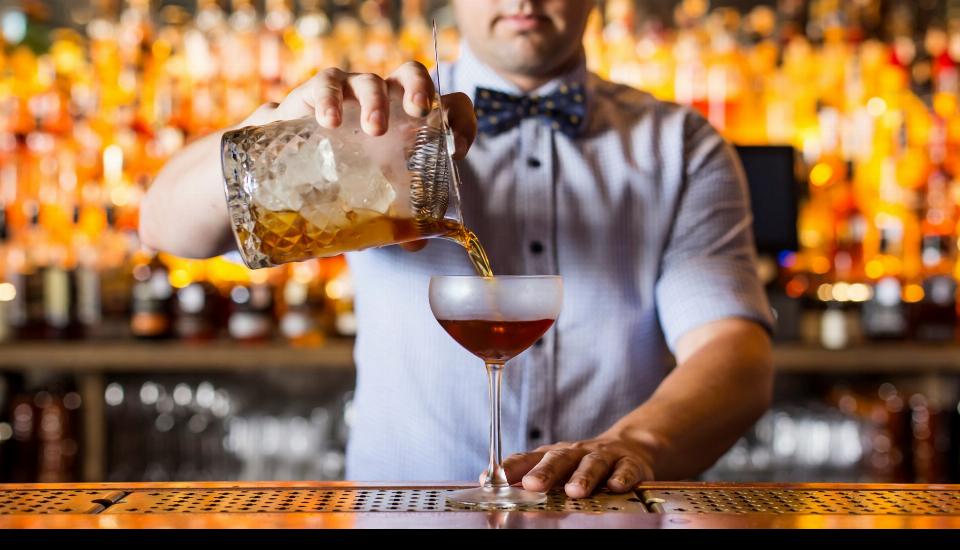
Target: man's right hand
[324,94]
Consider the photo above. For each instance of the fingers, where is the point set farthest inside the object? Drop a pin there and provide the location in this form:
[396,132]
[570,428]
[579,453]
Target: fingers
[626,474]
[414,79]
[555,466]
[418,89]
[324,94]
[593,468]
[463,121]
[321,96]
[517,465]
[371,92]
[584,465]
[327,95]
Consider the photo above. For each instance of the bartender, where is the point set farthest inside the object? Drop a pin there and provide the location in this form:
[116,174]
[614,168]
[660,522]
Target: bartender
[661,357]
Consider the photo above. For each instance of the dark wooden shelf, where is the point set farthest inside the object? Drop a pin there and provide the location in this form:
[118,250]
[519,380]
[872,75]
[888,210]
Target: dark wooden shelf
[134,356]
[172,356]
[877,358]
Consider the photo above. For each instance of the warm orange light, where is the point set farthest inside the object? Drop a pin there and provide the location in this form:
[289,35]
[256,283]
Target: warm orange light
[810,237]
[825,292]
[304,272]
[821,174]
[335,289]
[874,269]
[161,49]
[222,271]
[892,265]
[945,105]
[67,56]
[912,168]
[7,292]
[259,276]
[820,265]
[179,278]
[860,292]
[112,164]
[796,287]
[912,293]
[841,292]
[293,40]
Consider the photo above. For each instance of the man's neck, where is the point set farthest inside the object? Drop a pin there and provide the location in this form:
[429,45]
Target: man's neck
[527,82]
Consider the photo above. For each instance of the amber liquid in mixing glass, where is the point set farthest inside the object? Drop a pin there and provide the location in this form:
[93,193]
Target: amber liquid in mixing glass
[287,236]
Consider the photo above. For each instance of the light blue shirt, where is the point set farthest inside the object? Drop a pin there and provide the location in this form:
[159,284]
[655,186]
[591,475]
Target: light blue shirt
[646,217]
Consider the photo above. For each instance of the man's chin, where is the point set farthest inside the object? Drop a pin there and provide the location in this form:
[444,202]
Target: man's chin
[526,54]
[531,39]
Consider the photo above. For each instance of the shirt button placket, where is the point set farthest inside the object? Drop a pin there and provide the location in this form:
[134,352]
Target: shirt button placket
[537,248]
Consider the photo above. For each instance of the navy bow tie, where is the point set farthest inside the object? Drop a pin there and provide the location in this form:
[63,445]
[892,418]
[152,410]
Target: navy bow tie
[497,112]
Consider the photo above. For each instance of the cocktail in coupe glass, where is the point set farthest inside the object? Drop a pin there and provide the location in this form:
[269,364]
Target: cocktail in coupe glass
[496,318]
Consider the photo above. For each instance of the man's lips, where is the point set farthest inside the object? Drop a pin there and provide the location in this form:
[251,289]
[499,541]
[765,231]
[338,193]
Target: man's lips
[521,22]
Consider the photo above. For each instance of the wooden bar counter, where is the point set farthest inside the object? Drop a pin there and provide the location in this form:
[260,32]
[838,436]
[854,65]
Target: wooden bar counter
[346,505]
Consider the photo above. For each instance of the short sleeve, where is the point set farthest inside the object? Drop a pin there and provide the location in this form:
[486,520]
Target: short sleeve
[708,268]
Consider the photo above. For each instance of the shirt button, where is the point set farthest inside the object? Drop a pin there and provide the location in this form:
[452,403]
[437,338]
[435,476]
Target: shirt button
[535,433]
[533,162]
[536,247]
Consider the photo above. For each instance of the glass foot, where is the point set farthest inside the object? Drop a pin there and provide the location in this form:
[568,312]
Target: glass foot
[496,497]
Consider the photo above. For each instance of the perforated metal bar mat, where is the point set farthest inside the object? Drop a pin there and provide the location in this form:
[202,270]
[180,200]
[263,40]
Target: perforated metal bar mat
[55,501]
[802,501]
[354,500]
[338,500]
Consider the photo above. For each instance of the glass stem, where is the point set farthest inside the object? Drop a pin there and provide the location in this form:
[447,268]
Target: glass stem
[496,476]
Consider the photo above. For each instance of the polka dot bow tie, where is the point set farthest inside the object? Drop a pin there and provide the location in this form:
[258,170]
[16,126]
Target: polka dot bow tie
[498,112]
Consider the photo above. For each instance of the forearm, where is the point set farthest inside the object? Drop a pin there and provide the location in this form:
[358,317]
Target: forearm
[707,402]
[185,210]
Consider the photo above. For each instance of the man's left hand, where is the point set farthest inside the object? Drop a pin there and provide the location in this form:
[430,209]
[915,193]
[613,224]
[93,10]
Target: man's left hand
[582,466]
